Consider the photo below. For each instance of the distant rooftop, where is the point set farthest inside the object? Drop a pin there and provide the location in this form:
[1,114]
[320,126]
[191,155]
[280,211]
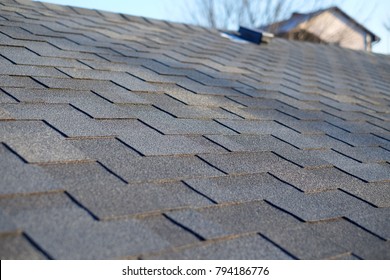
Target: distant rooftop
[331,25]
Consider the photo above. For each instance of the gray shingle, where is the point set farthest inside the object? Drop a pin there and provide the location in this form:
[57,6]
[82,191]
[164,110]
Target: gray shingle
[255,127]
[196,112]
[102,149]
[102,109]
[354,239]
[358,127]
[252,247]
[357,139]
[297,140]
[376,221]
[170,125]
[333,157]
[150,76]
[48,96]
[319,206]
[110,201]
[305,243]
[124,79]
[375,193]
[260,114]
[23,82]
[17,247]
[259,103]
[37,143]
[22,178]
[6,224]
[219,221]
[239,188]
[131,83]
[169,231]
[241,163]
[315,180]
[125,239]
[5,115]
[121,95]
[160,168]
[201,89]
[349,257]
[76,84]
[200,100]
[66,231]
[24,56]
[28,70]
[370,172]
[311,127]
[198,223]
[153,143]
[248,143]
[64,118]
[302,158]
[4,98]
[76,176]
[366,154]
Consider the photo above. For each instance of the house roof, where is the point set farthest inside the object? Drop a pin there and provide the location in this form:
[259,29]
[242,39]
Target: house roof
[127,137]
[296,19]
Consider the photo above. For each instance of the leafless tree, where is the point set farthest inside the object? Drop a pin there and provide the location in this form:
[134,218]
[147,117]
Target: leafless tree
[224,14]
[387,24]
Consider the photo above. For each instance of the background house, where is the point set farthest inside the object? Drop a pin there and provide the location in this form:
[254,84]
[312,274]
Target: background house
[329,26]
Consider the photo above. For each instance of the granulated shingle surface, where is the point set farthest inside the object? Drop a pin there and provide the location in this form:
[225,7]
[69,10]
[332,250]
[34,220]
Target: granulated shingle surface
[124,137]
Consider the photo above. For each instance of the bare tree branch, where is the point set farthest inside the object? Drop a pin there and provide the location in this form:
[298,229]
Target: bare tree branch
[387,24]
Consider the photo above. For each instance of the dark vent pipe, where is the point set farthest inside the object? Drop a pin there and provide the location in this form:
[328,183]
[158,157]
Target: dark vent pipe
[255,35]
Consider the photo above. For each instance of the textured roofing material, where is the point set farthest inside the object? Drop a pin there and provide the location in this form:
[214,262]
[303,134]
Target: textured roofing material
[125,137]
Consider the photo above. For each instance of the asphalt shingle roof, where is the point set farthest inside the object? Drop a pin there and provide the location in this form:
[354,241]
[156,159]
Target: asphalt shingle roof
[126,137]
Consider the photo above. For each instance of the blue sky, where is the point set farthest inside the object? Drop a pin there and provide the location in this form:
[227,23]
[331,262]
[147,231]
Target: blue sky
[371,14]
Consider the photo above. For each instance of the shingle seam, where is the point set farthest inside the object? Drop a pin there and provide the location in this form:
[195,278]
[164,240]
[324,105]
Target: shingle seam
[338,139]
[376,125]
[357,197]
[346,172]
[345,155]
[14,152]
[210,164]
[301,165]
[220,145]
[8,94]
[278,246]
[37,246]
[150,126]
[285,141]
[235,114]
[203,242]
[365,229]
[130,147]
[112,172]
[39,82]
[76,202]
[224,125]
[284,211]
[287,114]
[201,238]
[198,192]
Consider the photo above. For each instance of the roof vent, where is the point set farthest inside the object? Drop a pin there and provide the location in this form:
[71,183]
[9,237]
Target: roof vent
[255,35]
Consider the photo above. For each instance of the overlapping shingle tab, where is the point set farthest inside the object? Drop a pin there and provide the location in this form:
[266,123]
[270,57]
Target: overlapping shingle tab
[125,137]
